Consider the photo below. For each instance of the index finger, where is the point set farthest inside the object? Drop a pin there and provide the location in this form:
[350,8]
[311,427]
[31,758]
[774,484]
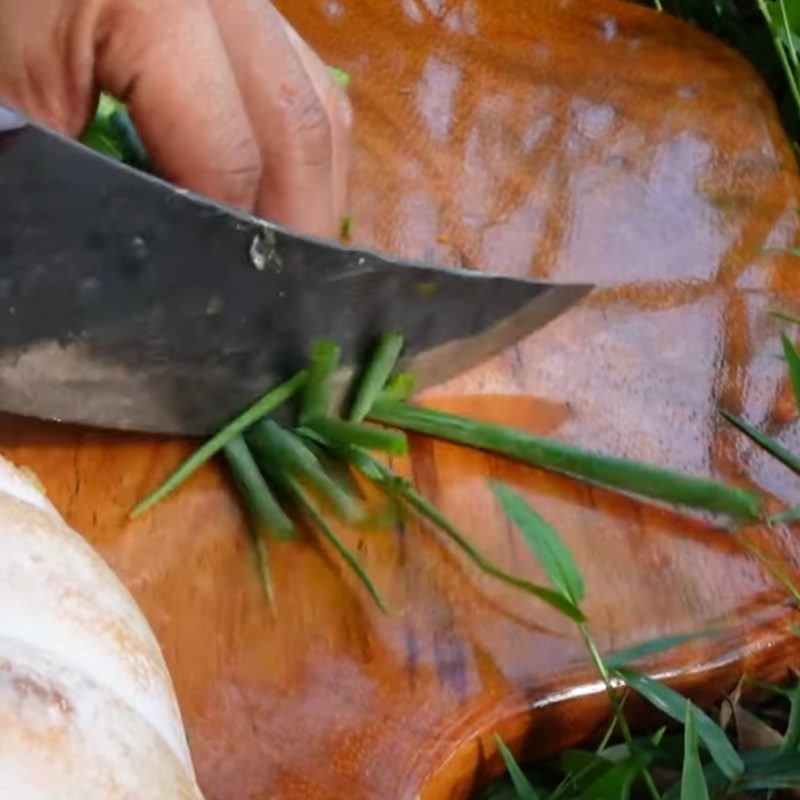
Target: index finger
[166,61]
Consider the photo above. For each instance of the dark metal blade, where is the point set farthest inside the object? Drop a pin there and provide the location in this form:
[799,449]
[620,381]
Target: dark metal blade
[127,303]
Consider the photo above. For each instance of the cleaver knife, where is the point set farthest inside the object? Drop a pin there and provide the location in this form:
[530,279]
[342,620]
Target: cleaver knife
[128,303]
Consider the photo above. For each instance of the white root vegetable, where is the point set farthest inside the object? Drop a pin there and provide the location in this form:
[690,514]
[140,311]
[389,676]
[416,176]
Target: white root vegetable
[87,708]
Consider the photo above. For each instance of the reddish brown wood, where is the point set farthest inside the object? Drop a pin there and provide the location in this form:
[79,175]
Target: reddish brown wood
[568,139]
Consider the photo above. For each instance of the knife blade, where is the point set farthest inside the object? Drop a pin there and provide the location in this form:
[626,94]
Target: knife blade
[128,303]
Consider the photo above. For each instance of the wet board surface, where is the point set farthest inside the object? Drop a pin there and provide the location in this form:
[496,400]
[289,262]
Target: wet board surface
[580,140]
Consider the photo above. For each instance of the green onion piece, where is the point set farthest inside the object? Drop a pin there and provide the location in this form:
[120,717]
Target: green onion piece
[376,374]
[395,486]
[339,77]
[619,473]
[282,452]
[350,558]
[266,515]
[317,394]
[371,437]
[771,445]
[401,387]
[131,146]
[268,402]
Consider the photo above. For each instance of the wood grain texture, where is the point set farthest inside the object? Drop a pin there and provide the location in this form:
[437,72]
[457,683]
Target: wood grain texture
[572,139]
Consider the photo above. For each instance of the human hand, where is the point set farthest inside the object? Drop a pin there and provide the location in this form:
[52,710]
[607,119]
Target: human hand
[228,99]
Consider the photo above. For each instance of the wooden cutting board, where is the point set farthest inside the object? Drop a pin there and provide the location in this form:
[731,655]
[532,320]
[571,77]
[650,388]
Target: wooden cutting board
[567,139]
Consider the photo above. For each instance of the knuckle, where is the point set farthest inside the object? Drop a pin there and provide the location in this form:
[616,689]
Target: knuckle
[240,169]
[311,128]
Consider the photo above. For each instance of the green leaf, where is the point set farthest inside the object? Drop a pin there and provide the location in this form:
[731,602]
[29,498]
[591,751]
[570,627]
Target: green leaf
[396,487]
[764,770]
[791,739]
[620,658]
[617,781]
[693,781]
[264,405]
[793,362]
[771,445]
[674,705]
[618,473]
[522,785]
[545,544]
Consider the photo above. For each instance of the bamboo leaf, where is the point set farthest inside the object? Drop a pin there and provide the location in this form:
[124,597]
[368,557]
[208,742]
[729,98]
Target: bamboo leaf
[522,785]
[618,473]
[545,544]
[267,403]
[396,487]
[636,652]
[693,781]
[674,705]
[376,374]
[771,445]
[793,362]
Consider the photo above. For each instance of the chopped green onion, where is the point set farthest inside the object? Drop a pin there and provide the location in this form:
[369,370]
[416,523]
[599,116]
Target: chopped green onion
[317,394]
[376,374]
[401,387]
[395,486]
[339,77]
[316,518]
[265,513]
[279,450]
[267,403]
[371,437]
[619,473]
[262,557]
[771,445]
